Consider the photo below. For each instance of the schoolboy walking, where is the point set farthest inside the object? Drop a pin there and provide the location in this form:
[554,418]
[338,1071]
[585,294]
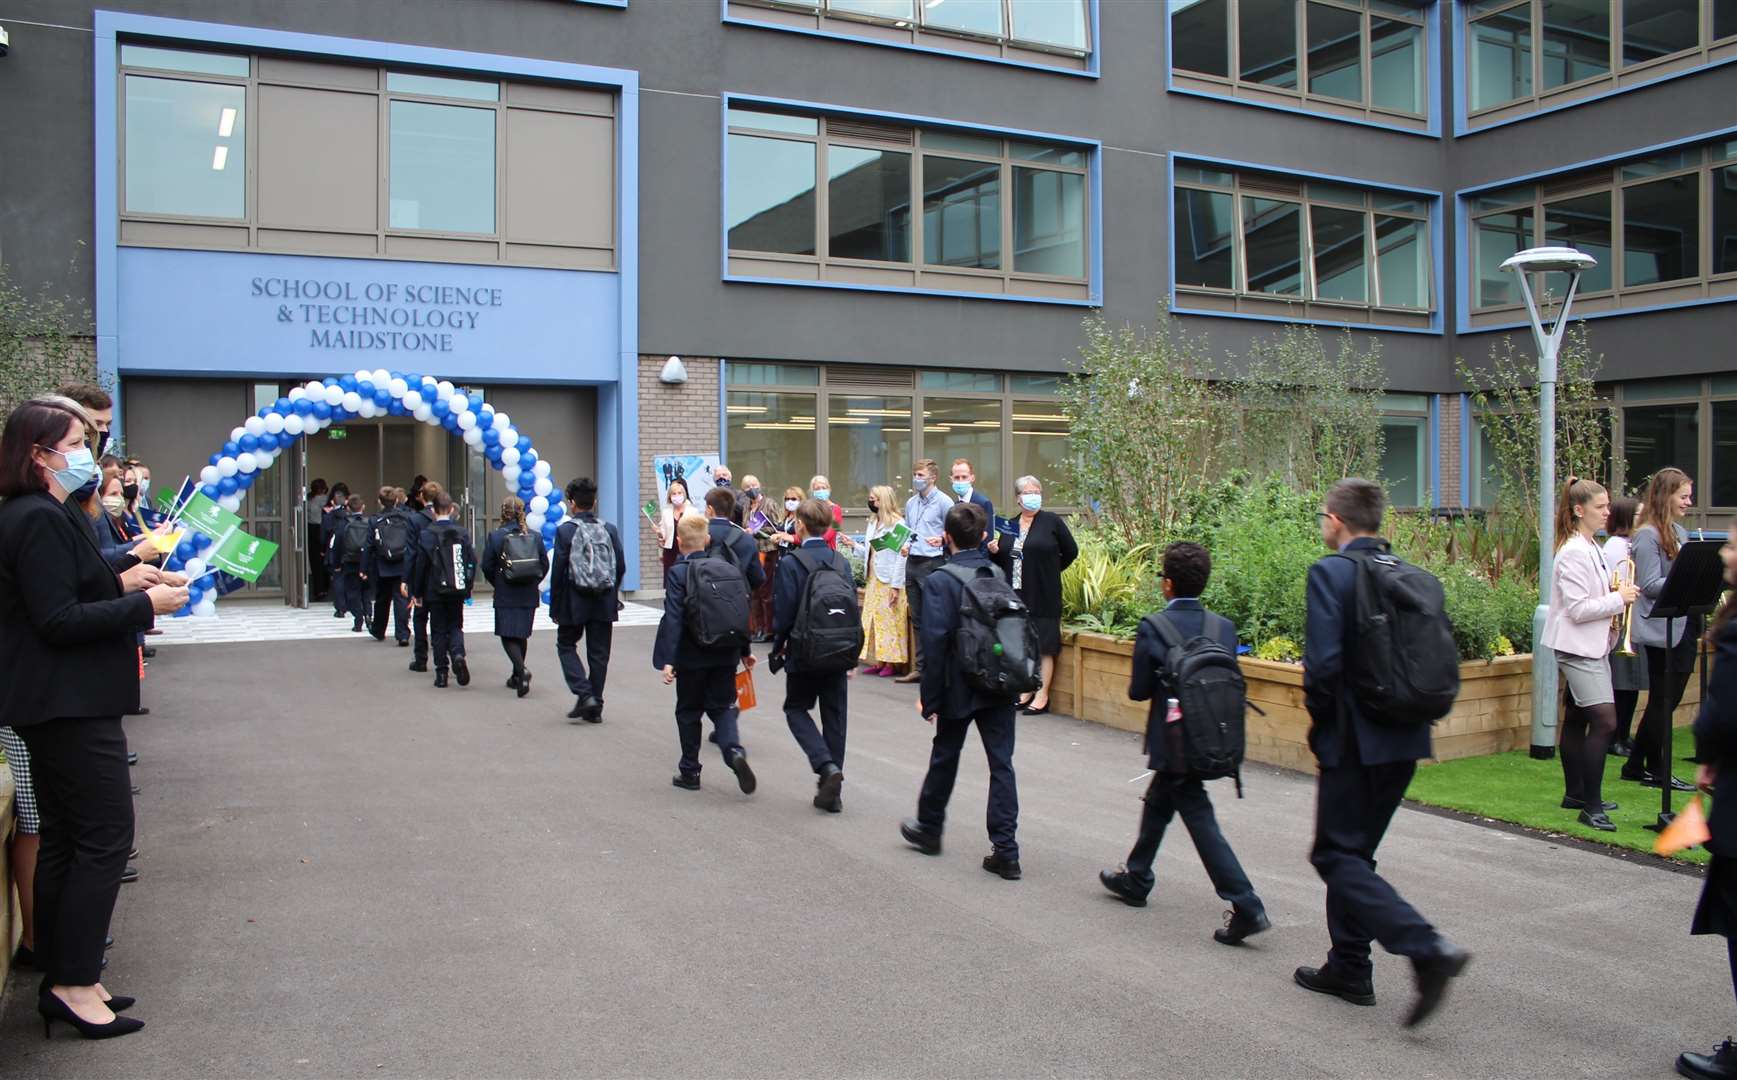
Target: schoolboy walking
[951,702]
[445,570]
[421,520]
[699,642]
[817,628]
[1166,643]
[1365,767]
[388,560]
[585,598]
[351,535]
[727,539]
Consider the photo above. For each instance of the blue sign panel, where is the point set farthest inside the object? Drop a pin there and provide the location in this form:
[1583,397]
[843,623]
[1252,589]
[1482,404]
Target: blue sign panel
[242,313]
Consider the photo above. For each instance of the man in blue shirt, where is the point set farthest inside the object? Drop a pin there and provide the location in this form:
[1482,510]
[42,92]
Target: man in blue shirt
[925,516]
[1365,768]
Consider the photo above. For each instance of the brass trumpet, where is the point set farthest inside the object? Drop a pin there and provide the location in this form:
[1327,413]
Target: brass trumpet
[1624,623]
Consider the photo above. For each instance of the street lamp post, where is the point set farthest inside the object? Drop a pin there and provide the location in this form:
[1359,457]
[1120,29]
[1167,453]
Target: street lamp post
[1545,260]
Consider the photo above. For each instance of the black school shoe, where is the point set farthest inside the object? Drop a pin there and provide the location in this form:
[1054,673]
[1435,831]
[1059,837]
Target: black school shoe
[419,666]
[1721,1064]
[686,781]
[1326,981]
[1433,976]
[1239,927]
[920,838]
[1118,882]
[440,680]
[828,793]
[1593,819]
[1003,866]
[744,775]
[461,671]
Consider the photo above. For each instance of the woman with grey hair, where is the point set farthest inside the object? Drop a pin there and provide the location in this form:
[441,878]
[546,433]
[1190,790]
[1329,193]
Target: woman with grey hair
[1041,549]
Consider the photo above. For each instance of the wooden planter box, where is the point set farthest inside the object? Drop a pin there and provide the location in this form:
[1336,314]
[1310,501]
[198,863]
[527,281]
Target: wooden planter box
[1493,712]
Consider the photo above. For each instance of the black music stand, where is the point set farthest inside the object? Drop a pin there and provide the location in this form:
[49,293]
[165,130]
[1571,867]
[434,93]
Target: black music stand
[1692,588]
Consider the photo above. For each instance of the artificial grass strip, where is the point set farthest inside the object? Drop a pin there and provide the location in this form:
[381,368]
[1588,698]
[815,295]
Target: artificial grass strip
[1513,787]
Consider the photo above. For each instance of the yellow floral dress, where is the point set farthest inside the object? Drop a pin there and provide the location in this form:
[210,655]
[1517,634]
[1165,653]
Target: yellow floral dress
[884,631]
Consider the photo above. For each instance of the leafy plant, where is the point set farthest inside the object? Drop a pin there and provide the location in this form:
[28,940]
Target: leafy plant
[1280,650]
[1307,415]
[1106,593]
[45,342]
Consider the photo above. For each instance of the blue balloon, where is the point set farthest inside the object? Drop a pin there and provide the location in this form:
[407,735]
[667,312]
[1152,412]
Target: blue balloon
[524,443]
[248,443]
[365,387]
[227,485]
[231,448]
[329,381]
[184,550]
[348,382]
[548,597]
[264,411]
[491,437]
[476,399]
[210,491]
[244,480]
[440,407]
[214,458]
[303,407]
[397,408]
[322,410]
[485,413]
[382,398]
[201,541]
[283,406]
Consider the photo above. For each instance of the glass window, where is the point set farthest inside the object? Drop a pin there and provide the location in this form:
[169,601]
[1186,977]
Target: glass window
[186,148]
[1042,384]
[765,121]
[1200,36]
[1404,403]
[1409,204]
[1335,52]
[1660,227]
[770,205]
[1040,448]
[1055,155]
[1195,174]
[897,10]
[1402,262]
[1725,220]
[771,436]
[1501,58]
[966,16]
[1655,28]
[1658,389]
[1583,223]
[436,86]
[1273,237]
[752,374]
[1340,256]
[1267,32]
[1396,65]
[868,442]
[868,204]
[1657,436]
[1051,22]
[1049,222]
[1486,478]
[1724,454]
[1495,200]
[1576,42]
[1403,466]
[1658,163]
[1205,239]
[1499,236]
[961,212]
[977,382]
[198,63]
[961,143]
[969,429]
[1724,22]
[442,168]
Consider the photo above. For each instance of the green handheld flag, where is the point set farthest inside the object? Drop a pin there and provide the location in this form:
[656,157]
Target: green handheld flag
[650,510]
[209,518]
[243,555]
[893,539]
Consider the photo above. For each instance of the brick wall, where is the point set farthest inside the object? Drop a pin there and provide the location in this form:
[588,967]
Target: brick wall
[672,420]
[1452,483]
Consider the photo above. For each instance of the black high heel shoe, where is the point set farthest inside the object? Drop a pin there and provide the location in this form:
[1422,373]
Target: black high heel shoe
[120,1003]
[52,1008]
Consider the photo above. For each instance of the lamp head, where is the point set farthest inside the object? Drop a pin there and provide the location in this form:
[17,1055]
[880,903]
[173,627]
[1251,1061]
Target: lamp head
[1548,260]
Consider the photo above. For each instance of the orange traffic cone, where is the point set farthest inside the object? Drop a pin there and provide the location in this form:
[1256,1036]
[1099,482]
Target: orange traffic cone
[1685,831]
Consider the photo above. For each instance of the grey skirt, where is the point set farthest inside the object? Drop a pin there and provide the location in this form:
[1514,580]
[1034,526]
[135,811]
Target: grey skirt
[1588,679]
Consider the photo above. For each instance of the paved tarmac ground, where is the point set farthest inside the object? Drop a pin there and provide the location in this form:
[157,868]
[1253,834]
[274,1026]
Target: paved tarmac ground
[349,873]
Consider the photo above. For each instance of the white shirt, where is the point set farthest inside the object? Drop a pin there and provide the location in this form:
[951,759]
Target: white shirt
[889,565]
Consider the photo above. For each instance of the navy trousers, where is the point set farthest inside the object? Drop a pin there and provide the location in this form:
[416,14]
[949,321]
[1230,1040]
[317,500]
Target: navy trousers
[419,624]
[825,744]
[706,691]
[352,594]
[995,728]
[1354,804]
[1169,795]
[388,600]
[446,628]
[598,638]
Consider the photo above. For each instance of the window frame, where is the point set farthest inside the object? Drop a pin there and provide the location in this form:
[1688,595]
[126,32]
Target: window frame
[1618,77]
[1424,417]
[1704,513]
[824,270]
[249,123]
[1301,99]
[1706,161]
[1266,182]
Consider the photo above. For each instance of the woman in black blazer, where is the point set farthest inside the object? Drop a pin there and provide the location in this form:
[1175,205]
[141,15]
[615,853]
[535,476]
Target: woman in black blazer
[67,646]
[1716,751]
[515,602]
[1034,556]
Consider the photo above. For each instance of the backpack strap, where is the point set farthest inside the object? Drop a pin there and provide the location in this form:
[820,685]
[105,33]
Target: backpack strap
[1172,639]
[964,575]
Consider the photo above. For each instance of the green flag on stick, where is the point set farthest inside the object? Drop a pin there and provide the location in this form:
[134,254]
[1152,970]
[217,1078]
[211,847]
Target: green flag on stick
[209,518]
[243,555]
[893,539]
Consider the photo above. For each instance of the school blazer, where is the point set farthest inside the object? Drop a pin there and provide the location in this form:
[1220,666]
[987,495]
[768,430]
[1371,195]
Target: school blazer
[68,635]
[1716,740]
[567,605]
[1581,601]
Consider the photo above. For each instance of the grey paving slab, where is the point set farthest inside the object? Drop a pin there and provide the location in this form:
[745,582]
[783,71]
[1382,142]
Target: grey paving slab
[349,873]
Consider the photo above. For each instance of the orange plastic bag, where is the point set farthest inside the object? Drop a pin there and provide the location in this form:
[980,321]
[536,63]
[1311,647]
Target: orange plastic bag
[745,698]
[1685,831]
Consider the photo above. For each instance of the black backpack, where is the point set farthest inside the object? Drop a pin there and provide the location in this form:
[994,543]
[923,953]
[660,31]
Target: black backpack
[392,536]
[716,614]
[1204,677]
[357,530]
[449,576]
[1405,670]
[521,558]
[826,635]
[995,646]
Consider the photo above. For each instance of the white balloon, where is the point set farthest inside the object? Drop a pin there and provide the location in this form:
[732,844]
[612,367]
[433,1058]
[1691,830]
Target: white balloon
[397,388]
[541,468]
[412,400]
[253,425]
[509,473]
[380,377]
[472,437]
[352,401]
[273,423]
[205,609]
[543,486]
[423,413]
[510,456]
[332,395]
[194,567]
[534,522]
[445,388]
[264,459]
[226,466]
[539,505]
[467,421]
[245,463]
[210,475]
[231,503]
[295,425]
[362,375]
[502,423]
[297,393]
[316,389]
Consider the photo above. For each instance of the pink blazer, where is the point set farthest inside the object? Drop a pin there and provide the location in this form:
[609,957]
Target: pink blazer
[1581,601]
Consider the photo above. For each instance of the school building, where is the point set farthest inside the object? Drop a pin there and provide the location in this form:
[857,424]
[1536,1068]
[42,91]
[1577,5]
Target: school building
[544,200]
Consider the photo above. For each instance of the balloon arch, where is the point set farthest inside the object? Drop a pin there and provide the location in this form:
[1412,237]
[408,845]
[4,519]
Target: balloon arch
[255,445]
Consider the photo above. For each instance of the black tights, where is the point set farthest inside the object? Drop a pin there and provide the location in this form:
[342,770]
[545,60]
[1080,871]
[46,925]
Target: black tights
[1586,732]
[1626,700]
[1668,672]
[514,647]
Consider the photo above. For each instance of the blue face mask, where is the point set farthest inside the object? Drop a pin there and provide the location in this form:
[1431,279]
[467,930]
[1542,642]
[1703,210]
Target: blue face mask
[961,488]
[823,494]
[1031,502]
[920,483]
[80,468]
